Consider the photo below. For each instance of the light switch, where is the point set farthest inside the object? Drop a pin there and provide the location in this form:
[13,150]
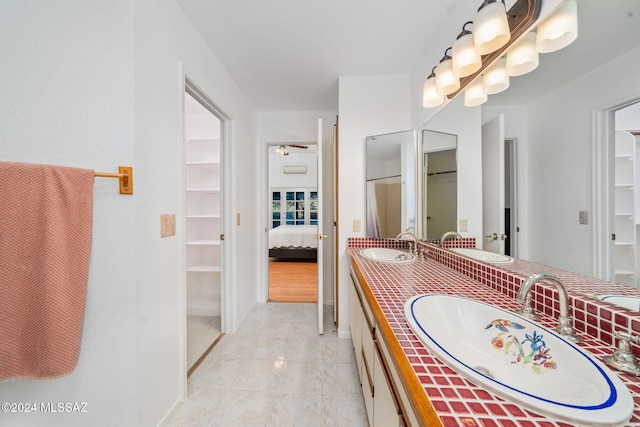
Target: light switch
[238,218]
[462,226]
[167,225]
[357,225]
[584,217]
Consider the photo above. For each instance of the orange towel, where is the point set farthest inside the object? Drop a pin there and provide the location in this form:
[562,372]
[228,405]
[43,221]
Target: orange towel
[45,245]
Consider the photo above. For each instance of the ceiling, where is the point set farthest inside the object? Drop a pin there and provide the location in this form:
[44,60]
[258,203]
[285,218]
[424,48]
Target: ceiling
[287,55]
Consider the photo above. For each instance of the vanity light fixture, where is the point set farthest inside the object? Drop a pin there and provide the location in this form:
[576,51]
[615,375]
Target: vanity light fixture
[520,17]
[558,30]
[446,81]
[496,78]
[465,60]
[491,27]
[474,94]
[523,57]
[430,96]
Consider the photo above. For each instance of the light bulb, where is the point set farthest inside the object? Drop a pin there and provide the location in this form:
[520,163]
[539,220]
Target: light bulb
[490,27]
[474,94]
[523,56]
[430,96]
[446,81]
[495,78]
[558,30]
[465,60]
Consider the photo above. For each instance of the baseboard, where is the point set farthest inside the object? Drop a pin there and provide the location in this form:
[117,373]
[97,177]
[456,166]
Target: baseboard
[172,410]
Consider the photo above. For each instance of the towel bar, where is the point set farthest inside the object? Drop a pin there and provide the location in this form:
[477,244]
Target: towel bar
[125,176]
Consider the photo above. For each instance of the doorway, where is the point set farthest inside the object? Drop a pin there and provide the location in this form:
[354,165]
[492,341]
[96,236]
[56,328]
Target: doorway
[203,224]
[293,221]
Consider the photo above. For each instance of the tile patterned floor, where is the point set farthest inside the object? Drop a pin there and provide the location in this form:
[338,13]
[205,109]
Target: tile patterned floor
[276,371]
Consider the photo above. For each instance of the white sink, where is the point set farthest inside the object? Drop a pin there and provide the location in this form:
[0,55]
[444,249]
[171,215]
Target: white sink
[481,255]
[626,301]
[389,255]
[519,360]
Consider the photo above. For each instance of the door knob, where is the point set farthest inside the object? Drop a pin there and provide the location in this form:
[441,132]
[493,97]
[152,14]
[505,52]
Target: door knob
[503,237]
[493,236]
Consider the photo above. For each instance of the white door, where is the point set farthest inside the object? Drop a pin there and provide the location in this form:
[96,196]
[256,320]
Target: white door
[320,236]
[493,185]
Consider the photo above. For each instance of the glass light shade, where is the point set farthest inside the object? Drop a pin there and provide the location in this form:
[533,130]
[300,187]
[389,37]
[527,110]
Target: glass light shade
[465,59]
[474,94]
[523,56]
[558,30]
[495,78]
[430,96]
[491,28]
[446,81]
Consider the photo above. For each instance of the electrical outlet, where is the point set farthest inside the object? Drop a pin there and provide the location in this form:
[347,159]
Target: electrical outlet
[357,225]
[584,217]
[462,226]
[167,225]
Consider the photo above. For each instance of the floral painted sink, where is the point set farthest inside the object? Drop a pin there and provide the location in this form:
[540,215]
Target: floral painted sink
[519,360]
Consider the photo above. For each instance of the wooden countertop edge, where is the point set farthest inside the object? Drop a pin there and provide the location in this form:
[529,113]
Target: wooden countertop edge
[420,403]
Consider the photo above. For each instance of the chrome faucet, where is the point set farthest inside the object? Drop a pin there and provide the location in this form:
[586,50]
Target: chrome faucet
[565,322]
[413,250]
[448,235]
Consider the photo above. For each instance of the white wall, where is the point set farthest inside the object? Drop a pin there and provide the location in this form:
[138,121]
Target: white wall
[371,105]
[98,85]
[67,99]
[165,39]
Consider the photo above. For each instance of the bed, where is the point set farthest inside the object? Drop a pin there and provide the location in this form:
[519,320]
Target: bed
[293,241]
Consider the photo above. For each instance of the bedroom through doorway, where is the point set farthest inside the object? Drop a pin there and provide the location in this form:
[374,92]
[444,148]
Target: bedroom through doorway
[293,220]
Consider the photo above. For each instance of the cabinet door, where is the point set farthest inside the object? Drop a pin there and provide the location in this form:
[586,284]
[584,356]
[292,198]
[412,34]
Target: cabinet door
[385,408]
[355,325]
[367,377]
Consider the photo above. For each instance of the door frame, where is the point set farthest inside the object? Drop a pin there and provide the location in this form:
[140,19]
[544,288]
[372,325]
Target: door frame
[228,316]
[265,202]
[603,193]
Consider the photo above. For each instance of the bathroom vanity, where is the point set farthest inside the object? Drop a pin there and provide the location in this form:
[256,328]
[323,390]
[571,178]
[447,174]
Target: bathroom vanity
[404,383]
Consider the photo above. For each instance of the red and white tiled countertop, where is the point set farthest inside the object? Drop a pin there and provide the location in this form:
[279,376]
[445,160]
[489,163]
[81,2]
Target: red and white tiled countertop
[456,401]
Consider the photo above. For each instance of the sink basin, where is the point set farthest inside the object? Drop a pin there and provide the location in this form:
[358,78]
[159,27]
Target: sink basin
[389,255]
[519,360]
[481,255]
[626,301]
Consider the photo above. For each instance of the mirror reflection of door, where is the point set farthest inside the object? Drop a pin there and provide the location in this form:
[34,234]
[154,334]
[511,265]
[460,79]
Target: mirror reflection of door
[493,205]
[440,183]
[626,206]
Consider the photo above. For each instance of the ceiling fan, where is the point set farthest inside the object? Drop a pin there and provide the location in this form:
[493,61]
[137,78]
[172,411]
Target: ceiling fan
[282,149]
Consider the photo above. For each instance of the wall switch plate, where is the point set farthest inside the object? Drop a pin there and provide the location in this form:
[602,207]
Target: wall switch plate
[357,225]
[462,225]
[167,225]
[584,217]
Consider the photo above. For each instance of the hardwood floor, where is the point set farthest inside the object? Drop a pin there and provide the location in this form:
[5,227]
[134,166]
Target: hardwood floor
[292,281]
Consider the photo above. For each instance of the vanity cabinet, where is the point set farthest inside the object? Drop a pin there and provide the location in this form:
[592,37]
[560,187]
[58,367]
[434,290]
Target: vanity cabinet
[377,377]
[202,228]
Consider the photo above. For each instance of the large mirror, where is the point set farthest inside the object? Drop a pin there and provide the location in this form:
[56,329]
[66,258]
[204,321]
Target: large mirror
[439,183]
[390,183]
[556,115]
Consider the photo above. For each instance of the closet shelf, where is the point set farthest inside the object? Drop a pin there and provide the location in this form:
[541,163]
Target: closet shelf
[212,242]
[204,268]
[204,163]
[624,273]
[628,245]
[203,190]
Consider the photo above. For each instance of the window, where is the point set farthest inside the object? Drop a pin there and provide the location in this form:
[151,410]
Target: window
[297,206]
